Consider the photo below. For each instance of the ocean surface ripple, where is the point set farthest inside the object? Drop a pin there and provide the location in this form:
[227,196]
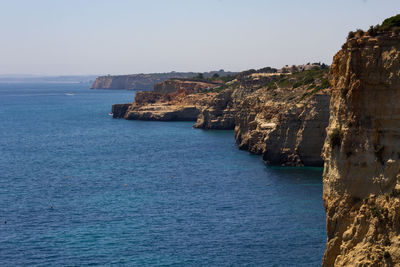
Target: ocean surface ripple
[80,188]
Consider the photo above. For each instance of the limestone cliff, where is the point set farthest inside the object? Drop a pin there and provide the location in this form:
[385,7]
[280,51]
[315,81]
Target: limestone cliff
[219,113]
[285,133]
[126,82]
[184,103]
[362,153]
[282,117]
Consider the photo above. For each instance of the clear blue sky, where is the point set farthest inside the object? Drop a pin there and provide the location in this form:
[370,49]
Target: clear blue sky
[51,37]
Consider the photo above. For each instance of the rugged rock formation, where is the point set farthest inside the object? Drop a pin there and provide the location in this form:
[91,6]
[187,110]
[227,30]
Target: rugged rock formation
[282,117]
[362,153]
[182,104]
[219,114]
[286,133]
[160,112]
[125,82]
[119,110]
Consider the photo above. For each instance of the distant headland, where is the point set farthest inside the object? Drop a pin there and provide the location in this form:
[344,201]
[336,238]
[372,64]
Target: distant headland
[146,82]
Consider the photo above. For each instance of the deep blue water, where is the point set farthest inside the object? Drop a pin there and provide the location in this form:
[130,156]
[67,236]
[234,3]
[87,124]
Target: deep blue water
[80,188]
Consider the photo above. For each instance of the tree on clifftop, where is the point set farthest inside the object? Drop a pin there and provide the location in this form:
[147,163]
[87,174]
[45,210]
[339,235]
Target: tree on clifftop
[200,76]
[390,23]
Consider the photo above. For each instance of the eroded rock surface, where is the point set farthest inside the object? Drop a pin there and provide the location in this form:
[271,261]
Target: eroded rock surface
[282,117]
[362,154]
[180,105]
[219,113]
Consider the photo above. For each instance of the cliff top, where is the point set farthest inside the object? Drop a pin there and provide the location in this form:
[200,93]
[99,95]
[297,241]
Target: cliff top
[389,25]
[282,87]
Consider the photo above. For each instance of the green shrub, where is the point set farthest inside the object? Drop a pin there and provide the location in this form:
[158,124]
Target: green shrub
[284,83]
[272,86]
[227,78]
[246,73]
[308,79]
[390,23]
[325,83]
[311,87]
[297,84]
[372,31]
[350,35]
[267,70]
[359,33]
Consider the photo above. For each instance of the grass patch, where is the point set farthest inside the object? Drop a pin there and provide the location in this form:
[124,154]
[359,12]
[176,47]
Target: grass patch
[297,84]
[284,83]
[272,86]
[308,79]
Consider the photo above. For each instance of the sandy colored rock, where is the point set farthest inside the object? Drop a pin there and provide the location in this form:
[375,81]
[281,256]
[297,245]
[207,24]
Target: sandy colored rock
[272,117]
[361,153]
[219,114]
[281,116]
[182,104]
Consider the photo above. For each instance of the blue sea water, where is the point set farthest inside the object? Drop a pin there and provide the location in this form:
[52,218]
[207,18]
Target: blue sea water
[80,188]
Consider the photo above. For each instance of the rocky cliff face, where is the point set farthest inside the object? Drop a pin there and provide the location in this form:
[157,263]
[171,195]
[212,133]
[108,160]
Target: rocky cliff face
[362,154]
[135,81]
[119,110]
[181,104]
[219,113]
[285,133]
[125,82]
[282,117]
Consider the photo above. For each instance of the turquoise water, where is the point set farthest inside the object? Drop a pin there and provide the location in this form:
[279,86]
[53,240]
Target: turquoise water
[80,188]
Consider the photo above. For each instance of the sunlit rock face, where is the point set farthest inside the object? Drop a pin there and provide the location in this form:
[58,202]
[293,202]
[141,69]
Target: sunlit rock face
[362,154]
[172,100]
[281,117]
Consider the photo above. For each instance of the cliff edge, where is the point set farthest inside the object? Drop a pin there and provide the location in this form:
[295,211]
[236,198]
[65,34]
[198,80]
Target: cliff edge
[172,100]
[362,153]
[281,116]
[146,82]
